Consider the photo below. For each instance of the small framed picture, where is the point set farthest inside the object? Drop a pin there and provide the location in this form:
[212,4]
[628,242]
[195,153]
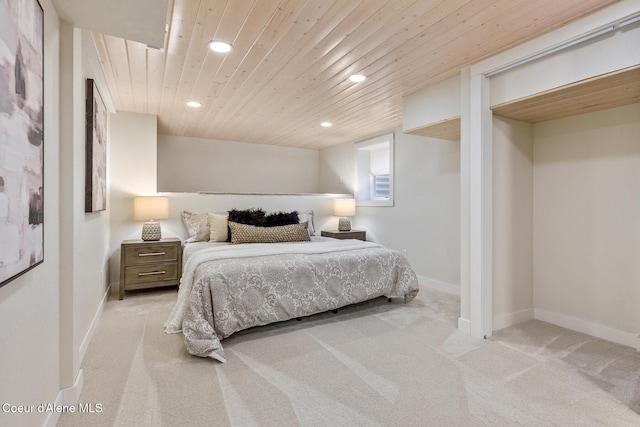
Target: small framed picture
[96,149]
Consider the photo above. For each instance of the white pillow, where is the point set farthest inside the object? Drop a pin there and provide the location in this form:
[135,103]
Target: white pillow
[218,227]
[307,216]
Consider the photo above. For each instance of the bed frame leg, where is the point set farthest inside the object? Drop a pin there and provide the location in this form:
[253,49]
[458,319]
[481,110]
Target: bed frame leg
[388,300]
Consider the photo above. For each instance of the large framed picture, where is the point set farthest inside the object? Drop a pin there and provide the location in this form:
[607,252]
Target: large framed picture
[96,150]
[21,137]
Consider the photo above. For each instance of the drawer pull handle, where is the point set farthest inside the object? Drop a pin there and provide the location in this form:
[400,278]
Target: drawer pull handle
[153,254]
[153,273]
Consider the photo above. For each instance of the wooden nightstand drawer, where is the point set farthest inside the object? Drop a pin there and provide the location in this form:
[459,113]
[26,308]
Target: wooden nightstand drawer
[150,264]
[150,253]
[150,273]
[353,234]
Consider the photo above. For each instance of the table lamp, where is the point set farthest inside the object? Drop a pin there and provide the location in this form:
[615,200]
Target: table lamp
[344,208]
[149,209]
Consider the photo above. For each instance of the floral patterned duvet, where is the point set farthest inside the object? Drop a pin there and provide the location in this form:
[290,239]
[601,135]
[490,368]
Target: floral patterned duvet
[227,288]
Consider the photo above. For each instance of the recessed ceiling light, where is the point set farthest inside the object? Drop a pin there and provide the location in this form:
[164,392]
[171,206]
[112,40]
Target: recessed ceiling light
[194,104]
[218,46]
[357,78]
[326,124]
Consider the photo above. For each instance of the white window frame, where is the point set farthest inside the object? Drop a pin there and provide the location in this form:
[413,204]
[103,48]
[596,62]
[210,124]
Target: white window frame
[364,178]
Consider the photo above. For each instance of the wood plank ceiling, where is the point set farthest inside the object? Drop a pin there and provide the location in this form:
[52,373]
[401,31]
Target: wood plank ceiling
[291,59]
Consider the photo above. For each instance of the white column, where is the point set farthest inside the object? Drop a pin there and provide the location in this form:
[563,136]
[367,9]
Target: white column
[464,322]
[480,208]
[71,134]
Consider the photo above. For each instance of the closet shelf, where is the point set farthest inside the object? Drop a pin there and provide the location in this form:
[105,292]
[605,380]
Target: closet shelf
[444,129]
[597,93]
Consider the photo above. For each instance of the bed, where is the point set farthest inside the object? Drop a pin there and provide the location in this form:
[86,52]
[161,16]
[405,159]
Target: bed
[227,287]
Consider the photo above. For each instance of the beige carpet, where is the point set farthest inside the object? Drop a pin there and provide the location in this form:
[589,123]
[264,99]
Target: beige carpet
[372,364]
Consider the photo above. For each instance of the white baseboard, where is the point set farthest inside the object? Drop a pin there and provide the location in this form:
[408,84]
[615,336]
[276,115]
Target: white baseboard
[464,325]
[66,397]
[445,287]
[94,323]
[599,331]
[71,396]
[505,320]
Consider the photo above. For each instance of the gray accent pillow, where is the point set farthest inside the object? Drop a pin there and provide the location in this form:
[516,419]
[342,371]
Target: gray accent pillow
[197,226]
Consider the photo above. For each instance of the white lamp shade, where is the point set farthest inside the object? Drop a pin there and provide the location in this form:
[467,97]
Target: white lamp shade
[147,208]
[344,207]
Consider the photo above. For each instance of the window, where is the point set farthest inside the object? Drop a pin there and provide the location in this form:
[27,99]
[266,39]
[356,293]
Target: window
[374,171]
[380,187]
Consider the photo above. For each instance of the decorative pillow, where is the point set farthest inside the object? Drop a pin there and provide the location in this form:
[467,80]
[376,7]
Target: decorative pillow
[218,227]
[307,216]
[259,218]
[197,226]
[248,216]
[281,218]
[243,233]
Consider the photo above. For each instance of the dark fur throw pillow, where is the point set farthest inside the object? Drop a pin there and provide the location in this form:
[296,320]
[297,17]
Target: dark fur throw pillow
[281,218]
[248,216]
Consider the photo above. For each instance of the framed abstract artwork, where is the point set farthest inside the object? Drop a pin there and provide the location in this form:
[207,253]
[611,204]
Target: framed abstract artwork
[21,137]
[96,150]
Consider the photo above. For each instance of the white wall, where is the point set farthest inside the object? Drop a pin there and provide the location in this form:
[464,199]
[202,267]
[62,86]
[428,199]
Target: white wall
[30,304]
[431,105]
[512,222]
[133,172]
[84,248]
[194,164]
[587,219]
[338,169]
[425,217]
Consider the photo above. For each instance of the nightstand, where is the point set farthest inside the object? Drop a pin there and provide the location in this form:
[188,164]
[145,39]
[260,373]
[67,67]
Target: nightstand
[150,264]
[353,234]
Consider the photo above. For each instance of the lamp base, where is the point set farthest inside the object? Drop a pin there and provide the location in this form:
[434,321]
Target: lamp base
[344,224]
[151,231]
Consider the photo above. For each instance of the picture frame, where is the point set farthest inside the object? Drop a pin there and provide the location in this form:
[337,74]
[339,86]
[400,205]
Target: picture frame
[21,138]
[96,150]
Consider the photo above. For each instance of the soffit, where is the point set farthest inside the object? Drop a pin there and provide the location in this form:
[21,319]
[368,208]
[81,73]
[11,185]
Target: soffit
[143,21]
